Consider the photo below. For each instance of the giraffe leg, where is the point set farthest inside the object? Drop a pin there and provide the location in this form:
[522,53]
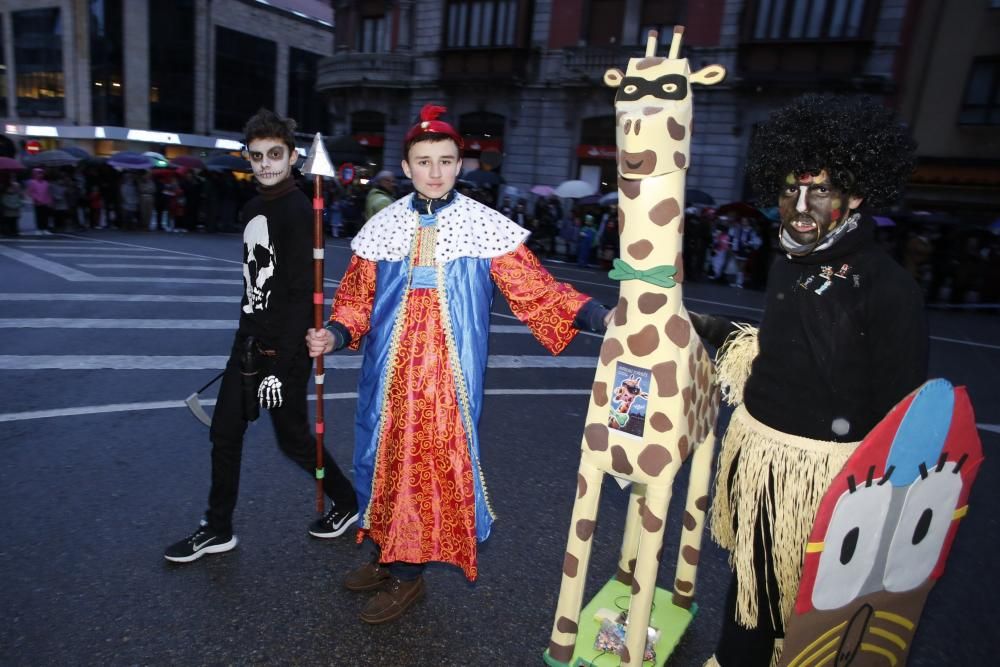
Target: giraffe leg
[694,522]
[581,532]
[653,520]
[630,541]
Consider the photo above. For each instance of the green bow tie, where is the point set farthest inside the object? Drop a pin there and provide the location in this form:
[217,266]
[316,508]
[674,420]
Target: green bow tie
[662,276]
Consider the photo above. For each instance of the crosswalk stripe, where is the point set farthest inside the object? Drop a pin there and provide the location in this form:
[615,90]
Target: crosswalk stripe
[104,255]
[163,267]
[99,298]
[66,362]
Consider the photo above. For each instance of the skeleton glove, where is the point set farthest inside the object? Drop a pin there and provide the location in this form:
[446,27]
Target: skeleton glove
[269,392]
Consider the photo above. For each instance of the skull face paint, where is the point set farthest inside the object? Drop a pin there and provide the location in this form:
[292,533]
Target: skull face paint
[811,207]
[270,160]
[259,263]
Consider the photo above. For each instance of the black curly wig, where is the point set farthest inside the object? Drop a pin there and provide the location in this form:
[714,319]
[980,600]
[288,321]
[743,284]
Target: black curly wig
[861,144]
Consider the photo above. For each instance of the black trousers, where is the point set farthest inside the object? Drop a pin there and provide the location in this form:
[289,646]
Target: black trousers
[291,427]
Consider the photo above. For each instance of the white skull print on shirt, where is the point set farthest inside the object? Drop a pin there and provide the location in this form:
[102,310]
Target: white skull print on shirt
[259,262]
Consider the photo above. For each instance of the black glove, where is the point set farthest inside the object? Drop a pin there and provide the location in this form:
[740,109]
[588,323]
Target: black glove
[590,317]
[713,329]
[341,336]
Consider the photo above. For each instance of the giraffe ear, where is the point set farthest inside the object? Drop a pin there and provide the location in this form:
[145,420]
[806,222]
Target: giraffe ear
[613,77]
[706,76]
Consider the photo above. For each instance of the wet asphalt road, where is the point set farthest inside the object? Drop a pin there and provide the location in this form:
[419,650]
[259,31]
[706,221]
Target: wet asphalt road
[90,500]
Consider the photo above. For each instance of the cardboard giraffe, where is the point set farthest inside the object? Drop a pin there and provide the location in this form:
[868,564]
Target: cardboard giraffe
[651,357]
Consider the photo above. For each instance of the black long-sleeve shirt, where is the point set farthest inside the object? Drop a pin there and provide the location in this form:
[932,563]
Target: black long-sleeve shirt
[843,339]
[277,257]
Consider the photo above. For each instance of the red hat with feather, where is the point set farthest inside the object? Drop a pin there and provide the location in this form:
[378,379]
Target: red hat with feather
[431,124]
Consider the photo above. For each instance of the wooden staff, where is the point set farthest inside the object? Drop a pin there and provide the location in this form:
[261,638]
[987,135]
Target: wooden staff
[318,164]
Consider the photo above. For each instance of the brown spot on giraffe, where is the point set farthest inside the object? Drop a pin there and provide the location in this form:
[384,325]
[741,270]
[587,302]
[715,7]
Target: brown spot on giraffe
[690,554]
[683,586]
[621,221]
[619,461]
[686,399]
[566,625]
[675,129]
[665,212]
[635,586]
[585,529]
[629,187]
[692,366]
[702,503]
[650,522]
[645,342]
[651,111]
[653,459]
[690,523]
[665,375]
[626,656]
[561,652]
[623,576]
[600,391]
[596,436]
[660,422]
[682,601]
[680,159]
[650,302]
[641,163]
[646,63]
[571,565]
[691,422]
[611,350]
[640,249]
[683,448]
[678,330]
[581,486]
[679,263]
[621,312]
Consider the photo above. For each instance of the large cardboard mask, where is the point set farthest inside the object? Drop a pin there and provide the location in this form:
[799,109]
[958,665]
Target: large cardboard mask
[883,531]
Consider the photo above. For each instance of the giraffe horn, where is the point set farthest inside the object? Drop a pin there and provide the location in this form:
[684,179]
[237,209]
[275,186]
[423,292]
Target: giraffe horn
[651,38]
[675,44]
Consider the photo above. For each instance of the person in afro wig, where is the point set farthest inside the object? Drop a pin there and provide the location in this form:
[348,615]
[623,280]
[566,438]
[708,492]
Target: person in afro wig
[843,339]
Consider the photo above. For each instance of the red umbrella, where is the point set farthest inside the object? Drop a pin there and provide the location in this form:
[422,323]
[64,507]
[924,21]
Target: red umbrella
[10,164]
[188,161]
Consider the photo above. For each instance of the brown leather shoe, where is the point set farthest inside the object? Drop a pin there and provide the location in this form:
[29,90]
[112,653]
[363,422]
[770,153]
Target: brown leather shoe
[394,599]
[368,577]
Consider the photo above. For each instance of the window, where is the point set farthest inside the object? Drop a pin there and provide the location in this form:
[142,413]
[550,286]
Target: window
[374,34]
[171,65]
[305,105]
[809,19]
[3,76]
[244,77]
[481,23]
[661,16]
[981,102]
[38,58]
[604,22]
[106,40]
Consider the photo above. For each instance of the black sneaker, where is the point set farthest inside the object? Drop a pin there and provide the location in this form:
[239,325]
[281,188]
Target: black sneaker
[334,524]
[204,541]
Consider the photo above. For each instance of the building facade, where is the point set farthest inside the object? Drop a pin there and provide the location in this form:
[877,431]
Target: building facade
[525,77]
[167,75]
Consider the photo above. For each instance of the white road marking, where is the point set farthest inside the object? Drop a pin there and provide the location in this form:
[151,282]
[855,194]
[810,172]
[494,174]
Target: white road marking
[99,298]
[94,323]
[104,255]
[209,402]
[163,267]
[119,362]
[42,264]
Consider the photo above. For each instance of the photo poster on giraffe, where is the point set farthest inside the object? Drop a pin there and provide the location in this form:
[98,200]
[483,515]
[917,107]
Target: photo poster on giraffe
[628,400]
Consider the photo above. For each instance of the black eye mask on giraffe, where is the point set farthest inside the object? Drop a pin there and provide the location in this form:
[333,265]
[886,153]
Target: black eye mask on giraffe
[667,87]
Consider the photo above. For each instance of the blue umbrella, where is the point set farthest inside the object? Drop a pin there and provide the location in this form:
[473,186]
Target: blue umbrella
[130,160]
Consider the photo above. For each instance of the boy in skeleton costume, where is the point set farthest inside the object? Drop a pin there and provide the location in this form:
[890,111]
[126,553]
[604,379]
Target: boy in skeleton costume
[419,289]
[842,340]
[276,311]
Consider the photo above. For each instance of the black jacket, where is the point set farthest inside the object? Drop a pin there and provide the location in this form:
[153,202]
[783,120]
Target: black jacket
[843,339]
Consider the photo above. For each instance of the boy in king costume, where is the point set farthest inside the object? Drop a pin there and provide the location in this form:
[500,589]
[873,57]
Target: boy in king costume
[419,289]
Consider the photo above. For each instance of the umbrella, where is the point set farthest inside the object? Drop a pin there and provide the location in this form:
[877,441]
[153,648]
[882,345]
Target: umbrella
[52,158]
[10,164]
[883,221]
[513,192]
[699,197]
[228,162]
[188,162]
[574,189]
[589,200]
[542,190]
[609,198]
[76,151]
[482,178]
[159,161]
[125,160]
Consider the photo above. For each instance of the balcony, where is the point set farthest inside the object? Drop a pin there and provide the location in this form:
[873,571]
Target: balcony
[586,65]
[496,65]
[350,69]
